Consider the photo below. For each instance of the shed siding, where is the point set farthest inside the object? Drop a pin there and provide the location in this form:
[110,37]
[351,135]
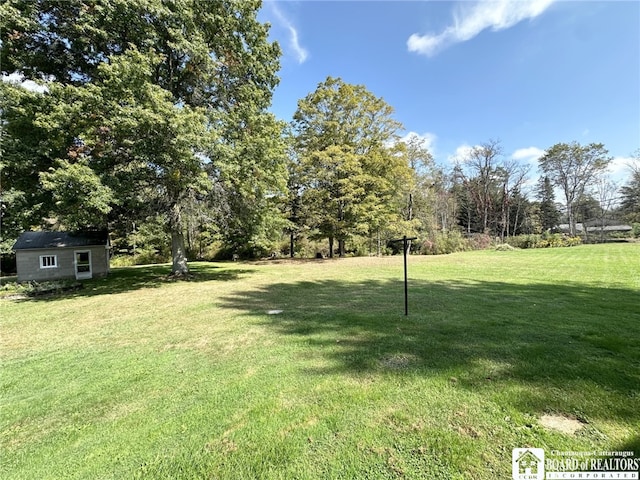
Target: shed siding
[28,263]
[100,261]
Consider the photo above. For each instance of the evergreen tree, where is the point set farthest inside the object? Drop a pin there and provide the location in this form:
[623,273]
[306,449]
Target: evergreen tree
[630,193]
[549,214]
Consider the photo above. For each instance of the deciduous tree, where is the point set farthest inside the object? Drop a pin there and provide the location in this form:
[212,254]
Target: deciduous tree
[478,173]
[157,98]
[573,167]
[351,165]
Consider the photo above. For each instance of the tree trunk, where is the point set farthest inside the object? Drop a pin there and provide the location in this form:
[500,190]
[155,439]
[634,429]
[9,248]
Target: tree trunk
[291,245]
[572,221]
[330,247]
[515,221]
[178,253]
[485,218]
[571,218]
[341,249]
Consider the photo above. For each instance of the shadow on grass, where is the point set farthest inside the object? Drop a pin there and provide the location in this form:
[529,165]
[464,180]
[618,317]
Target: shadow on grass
[567,341]
[631,445]
[126,279]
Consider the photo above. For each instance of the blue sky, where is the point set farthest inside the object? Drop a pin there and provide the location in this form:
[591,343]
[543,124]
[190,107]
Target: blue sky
[529,73]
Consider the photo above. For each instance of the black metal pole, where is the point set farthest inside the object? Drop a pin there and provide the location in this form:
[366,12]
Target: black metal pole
[406,284]
[405,246]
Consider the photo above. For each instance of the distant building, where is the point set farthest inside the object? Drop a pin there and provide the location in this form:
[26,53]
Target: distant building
[595,227]
[45,256]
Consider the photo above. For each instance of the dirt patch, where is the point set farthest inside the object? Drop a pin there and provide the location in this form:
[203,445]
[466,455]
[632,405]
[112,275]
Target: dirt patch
[560,423]
[398,361]
[17,296]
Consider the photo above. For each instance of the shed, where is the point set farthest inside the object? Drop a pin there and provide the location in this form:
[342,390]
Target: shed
[45,256]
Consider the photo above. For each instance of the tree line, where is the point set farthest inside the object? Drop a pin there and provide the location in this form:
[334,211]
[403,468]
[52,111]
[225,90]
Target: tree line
[153,122]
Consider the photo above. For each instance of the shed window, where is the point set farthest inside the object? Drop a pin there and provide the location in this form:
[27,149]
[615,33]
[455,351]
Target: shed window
[48,261]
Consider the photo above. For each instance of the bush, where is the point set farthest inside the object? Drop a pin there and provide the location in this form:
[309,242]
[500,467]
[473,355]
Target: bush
[480,241]
[523,241]
[547,240]
[440,243]
[144,257]
[33,288]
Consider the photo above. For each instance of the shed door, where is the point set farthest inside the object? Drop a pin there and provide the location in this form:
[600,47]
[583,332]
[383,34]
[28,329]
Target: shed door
[83,264]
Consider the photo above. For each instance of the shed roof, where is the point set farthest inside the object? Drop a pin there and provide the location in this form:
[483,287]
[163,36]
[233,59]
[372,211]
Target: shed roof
[60,239]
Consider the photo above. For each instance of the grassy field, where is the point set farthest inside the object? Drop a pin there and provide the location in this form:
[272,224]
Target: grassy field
[138,376]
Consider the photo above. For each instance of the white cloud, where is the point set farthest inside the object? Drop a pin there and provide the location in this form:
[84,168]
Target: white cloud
[530,154]
[294,41]
[428,138]
[469,21]
[461,153]
[620,168]
[18,79]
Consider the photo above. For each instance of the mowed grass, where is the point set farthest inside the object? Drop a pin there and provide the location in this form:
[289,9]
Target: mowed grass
[137,376]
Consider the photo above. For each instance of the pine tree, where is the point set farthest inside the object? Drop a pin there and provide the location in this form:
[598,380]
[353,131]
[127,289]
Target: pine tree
[549,214]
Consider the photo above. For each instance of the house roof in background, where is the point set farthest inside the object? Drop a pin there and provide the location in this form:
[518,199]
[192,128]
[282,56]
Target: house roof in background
[32,240]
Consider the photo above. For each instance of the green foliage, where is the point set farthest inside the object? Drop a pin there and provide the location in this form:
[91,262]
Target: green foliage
[26,152]
[543,241]
[350,167]
[147,243]
[159,100]
[141,257]
[549,216]
[524,241]
[630,192]
[252,185]
[438,243]
[635,230]
[80,198]
[33,288]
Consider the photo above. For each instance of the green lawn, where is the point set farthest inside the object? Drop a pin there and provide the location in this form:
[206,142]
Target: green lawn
[137,376]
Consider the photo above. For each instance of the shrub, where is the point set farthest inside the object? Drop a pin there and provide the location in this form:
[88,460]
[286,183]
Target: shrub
[547,240]
[440,243]
[33,288]
[144,257]
[480,241]
[524,241]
